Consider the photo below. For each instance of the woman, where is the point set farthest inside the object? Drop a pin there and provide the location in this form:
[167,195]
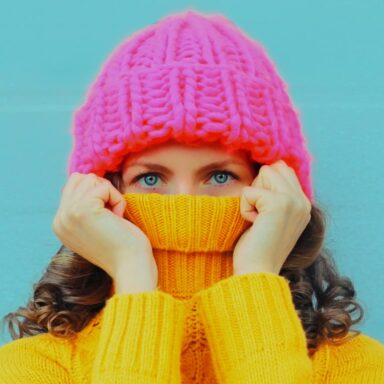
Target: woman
[168,271]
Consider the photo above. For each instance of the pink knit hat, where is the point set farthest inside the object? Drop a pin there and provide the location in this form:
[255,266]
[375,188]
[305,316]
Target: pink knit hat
[189,77]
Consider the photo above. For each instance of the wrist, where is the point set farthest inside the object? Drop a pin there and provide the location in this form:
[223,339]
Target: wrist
[135,279]
[130,285]
[254,269]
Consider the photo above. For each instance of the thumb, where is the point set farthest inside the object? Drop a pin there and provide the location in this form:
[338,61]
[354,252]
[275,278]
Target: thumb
[120,208]
[253,201]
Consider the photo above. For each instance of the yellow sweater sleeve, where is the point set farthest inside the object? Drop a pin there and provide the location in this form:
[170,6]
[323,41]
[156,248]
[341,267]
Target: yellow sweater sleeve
[140,339]
[253,331]
[140,342]
[256,336]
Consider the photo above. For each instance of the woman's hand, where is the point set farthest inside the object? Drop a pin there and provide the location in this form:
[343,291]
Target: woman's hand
[281,215]
[90,221]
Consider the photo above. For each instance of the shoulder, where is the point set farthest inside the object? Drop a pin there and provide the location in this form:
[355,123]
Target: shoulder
[356,354]
[357,346]
[35,349]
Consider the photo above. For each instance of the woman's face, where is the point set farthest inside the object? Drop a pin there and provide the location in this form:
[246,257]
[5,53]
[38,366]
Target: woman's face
[176,168]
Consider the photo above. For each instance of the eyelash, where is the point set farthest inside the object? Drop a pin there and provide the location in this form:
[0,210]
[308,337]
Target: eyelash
[143,174]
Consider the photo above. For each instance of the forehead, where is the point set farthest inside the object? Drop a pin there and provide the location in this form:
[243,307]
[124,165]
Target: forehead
[172,150]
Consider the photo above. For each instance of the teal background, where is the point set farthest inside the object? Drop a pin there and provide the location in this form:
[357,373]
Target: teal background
[330,53]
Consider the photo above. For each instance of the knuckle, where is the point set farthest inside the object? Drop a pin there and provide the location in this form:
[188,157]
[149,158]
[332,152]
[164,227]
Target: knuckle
[307,205]
[96,180]
[59,225]
[70,214]
[306,209]
[56,224]
[106,182]
[75,175]
[92,177]
[309,213]
[264,168]
[75,214]
[290,169]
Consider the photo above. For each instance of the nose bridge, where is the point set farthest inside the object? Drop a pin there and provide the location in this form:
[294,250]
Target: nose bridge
[184,186]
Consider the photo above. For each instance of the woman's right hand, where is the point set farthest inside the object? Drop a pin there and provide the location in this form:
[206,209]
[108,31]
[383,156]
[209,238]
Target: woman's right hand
[85,224]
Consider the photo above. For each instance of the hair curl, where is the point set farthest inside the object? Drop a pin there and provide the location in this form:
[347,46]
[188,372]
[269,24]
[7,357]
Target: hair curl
[72,290]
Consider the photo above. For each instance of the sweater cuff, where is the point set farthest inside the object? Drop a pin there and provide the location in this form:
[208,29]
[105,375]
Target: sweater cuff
[250,317]
[140,338]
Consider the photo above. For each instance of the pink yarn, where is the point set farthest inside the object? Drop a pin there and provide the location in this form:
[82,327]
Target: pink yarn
[189,77]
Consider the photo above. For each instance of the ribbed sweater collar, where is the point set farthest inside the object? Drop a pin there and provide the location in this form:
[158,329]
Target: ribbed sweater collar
[192,237]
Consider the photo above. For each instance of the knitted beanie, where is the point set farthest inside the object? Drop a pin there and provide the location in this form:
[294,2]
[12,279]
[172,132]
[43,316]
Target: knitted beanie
[191,78]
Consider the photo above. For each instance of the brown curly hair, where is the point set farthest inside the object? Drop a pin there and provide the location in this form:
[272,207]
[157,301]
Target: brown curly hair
[72,290]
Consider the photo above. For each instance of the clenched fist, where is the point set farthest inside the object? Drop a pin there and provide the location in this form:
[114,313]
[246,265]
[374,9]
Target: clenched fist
[90,221]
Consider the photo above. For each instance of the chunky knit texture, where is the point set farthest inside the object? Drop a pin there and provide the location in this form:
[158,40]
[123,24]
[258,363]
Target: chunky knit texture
[202,325]
[189,77]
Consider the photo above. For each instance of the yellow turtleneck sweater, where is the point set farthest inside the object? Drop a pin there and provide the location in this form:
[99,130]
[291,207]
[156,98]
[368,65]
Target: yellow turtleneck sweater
[202,325]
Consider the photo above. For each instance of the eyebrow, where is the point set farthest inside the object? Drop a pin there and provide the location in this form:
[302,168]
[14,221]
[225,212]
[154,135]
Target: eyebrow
[160,168]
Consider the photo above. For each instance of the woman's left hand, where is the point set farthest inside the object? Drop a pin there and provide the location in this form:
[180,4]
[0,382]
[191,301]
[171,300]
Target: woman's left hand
[279,210]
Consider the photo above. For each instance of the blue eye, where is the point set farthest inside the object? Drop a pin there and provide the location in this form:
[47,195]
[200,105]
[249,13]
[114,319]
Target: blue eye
[150,178]
[224,176]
